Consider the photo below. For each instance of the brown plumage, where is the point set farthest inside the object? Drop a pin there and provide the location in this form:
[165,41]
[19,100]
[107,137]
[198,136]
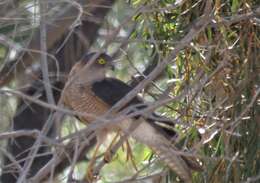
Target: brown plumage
[78,96]
[89,91]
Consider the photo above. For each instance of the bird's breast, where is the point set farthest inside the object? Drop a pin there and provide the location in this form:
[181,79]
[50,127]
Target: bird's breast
[83,100]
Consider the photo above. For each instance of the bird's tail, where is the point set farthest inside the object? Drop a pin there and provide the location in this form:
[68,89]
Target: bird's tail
[153,136]
[175,162]
[172,157]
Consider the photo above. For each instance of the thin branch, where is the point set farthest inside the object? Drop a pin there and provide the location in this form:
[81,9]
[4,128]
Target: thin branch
[43,60]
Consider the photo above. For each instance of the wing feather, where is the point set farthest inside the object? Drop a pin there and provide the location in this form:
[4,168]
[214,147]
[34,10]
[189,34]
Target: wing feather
[111,90]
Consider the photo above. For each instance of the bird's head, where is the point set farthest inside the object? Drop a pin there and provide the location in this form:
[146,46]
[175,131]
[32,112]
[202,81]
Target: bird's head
[97,60]
[92,67]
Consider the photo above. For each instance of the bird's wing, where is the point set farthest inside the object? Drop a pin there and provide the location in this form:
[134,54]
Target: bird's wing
[111,90]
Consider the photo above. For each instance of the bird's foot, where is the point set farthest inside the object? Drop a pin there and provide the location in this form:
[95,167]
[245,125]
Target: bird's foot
[90,177]
[108,156]
[129,155]
[108,153]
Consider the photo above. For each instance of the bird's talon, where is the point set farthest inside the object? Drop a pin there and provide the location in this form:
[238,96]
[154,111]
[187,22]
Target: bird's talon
[90,176]
[108,156]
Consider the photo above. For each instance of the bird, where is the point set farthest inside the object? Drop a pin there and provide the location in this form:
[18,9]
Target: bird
[88,90]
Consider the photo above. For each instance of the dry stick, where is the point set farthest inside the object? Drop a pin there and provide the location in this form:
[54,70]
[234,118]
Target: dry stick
[74,160]
[11,159]
[227,21]
[48,90]
[34,151]
[123,43]
[61,155]
[28,133]
[135,176]
[14,134]
[25,158]
[43,60]
[237,121]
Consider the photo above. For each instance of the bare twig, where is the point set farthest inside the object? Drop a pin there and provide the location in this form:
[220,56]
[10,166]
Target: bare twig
[43,60]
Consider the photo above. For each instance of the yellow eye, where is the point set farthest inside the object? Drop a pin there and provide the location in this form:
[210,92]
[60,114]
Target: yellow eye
[101,61]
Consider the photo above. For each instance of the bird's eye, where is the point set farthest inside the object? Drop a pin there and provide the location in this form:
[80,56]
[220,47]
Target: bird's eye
[101,61]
